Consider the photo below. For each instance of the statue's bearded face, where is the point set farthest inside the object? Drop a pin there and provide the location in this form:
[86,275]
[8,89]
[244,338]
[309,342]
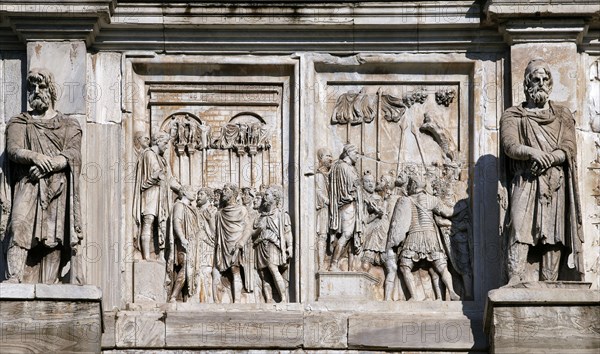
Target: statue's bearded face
[269,198]
[202,198]
[538,87]
[38,94]
[353,155]
[227,194]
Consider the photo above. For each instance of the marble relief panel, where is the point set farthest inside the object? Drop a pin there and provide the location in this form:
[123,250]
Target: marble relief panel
[392,186]
[211,202]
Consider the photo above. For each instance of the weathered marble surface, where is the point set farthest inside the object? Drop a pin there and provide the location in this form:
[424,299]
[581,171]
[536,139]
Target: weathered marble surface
[345,325]
[550,319]
[50,318]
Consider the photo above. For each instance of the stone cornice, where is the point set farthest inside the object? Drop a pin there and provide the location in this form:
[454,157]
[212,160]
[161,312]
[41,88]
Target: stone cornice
[286,27]
[530,21]
[499,10]
[397,14]
[282,26]
[33,20]
[547,30]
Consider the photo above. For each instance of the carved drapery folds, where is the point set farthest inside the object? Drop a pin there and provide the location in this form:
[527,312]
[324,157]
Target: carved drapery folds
[410,220]
[358,108]
[243,138]
[227,243]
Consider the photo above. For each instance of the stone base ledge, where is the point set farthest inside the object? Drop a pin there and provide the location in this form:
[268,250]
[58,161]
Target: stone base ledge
[549,317]
[38,318]
[393,326]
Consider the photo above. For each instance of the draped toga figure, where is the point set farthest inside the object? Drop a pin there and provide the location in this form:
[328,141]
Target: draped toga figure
[539,140]
[231,233]
[151,199]
[345,205]
[186,230]
[44,229]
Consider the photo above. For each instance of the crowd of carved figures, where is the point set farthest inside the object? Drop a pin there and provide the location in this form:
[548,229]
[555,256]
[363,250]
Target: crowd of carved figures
[216,243]
[394,223]
[405,219]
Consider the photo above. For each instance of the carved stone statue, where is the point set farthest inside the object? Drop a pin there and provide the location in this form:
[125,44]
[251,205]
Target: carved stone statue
[421,239]
[274,243]
[538,138]
[376,222]
[345,208]
[230,232]
[43,147]
[206,244]
[151,198]
[322,203]
[141,141]
[186,230]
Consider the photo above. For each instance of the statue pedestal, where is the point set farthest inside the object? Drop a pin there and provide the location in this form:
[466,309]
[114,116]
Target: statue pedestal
[341,286]
[549,317]
[149,281]
[61,318]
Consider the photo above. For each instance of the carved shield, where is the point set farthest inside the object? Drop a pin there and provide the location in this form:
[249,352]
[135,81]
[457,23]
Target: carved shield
[400,223]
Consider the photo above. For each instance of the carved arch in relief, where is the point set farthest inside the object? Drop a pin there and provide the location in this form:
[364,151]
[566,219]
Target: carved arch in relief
[190,137]
[247,138]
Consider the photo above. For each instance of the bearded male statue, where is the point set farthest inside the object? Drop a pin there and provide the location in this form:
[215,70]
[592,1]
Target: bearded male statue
[538,138]
[44,230]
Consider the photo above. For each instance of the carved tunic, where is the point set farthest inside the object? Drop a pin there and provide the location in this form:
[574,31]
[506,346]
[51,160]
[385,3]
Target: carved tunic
[206,236]
[544,208]
[274,238]
[47,210]
[423,239]
[377,230]
[186,227]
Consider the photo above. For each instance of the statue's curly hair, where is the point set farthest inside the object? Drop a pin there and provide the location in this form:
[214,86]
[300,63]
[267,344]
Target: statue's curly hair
[38,75]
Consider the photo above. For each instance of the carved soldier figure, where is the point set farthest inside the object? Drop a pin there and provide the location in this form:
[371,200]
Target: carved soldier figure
[230,232]
[151,198]
[43,147]
[345,208]
[322,201]
[186,230]
[377,221]
[420,238]
[274,244]
[538,138]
